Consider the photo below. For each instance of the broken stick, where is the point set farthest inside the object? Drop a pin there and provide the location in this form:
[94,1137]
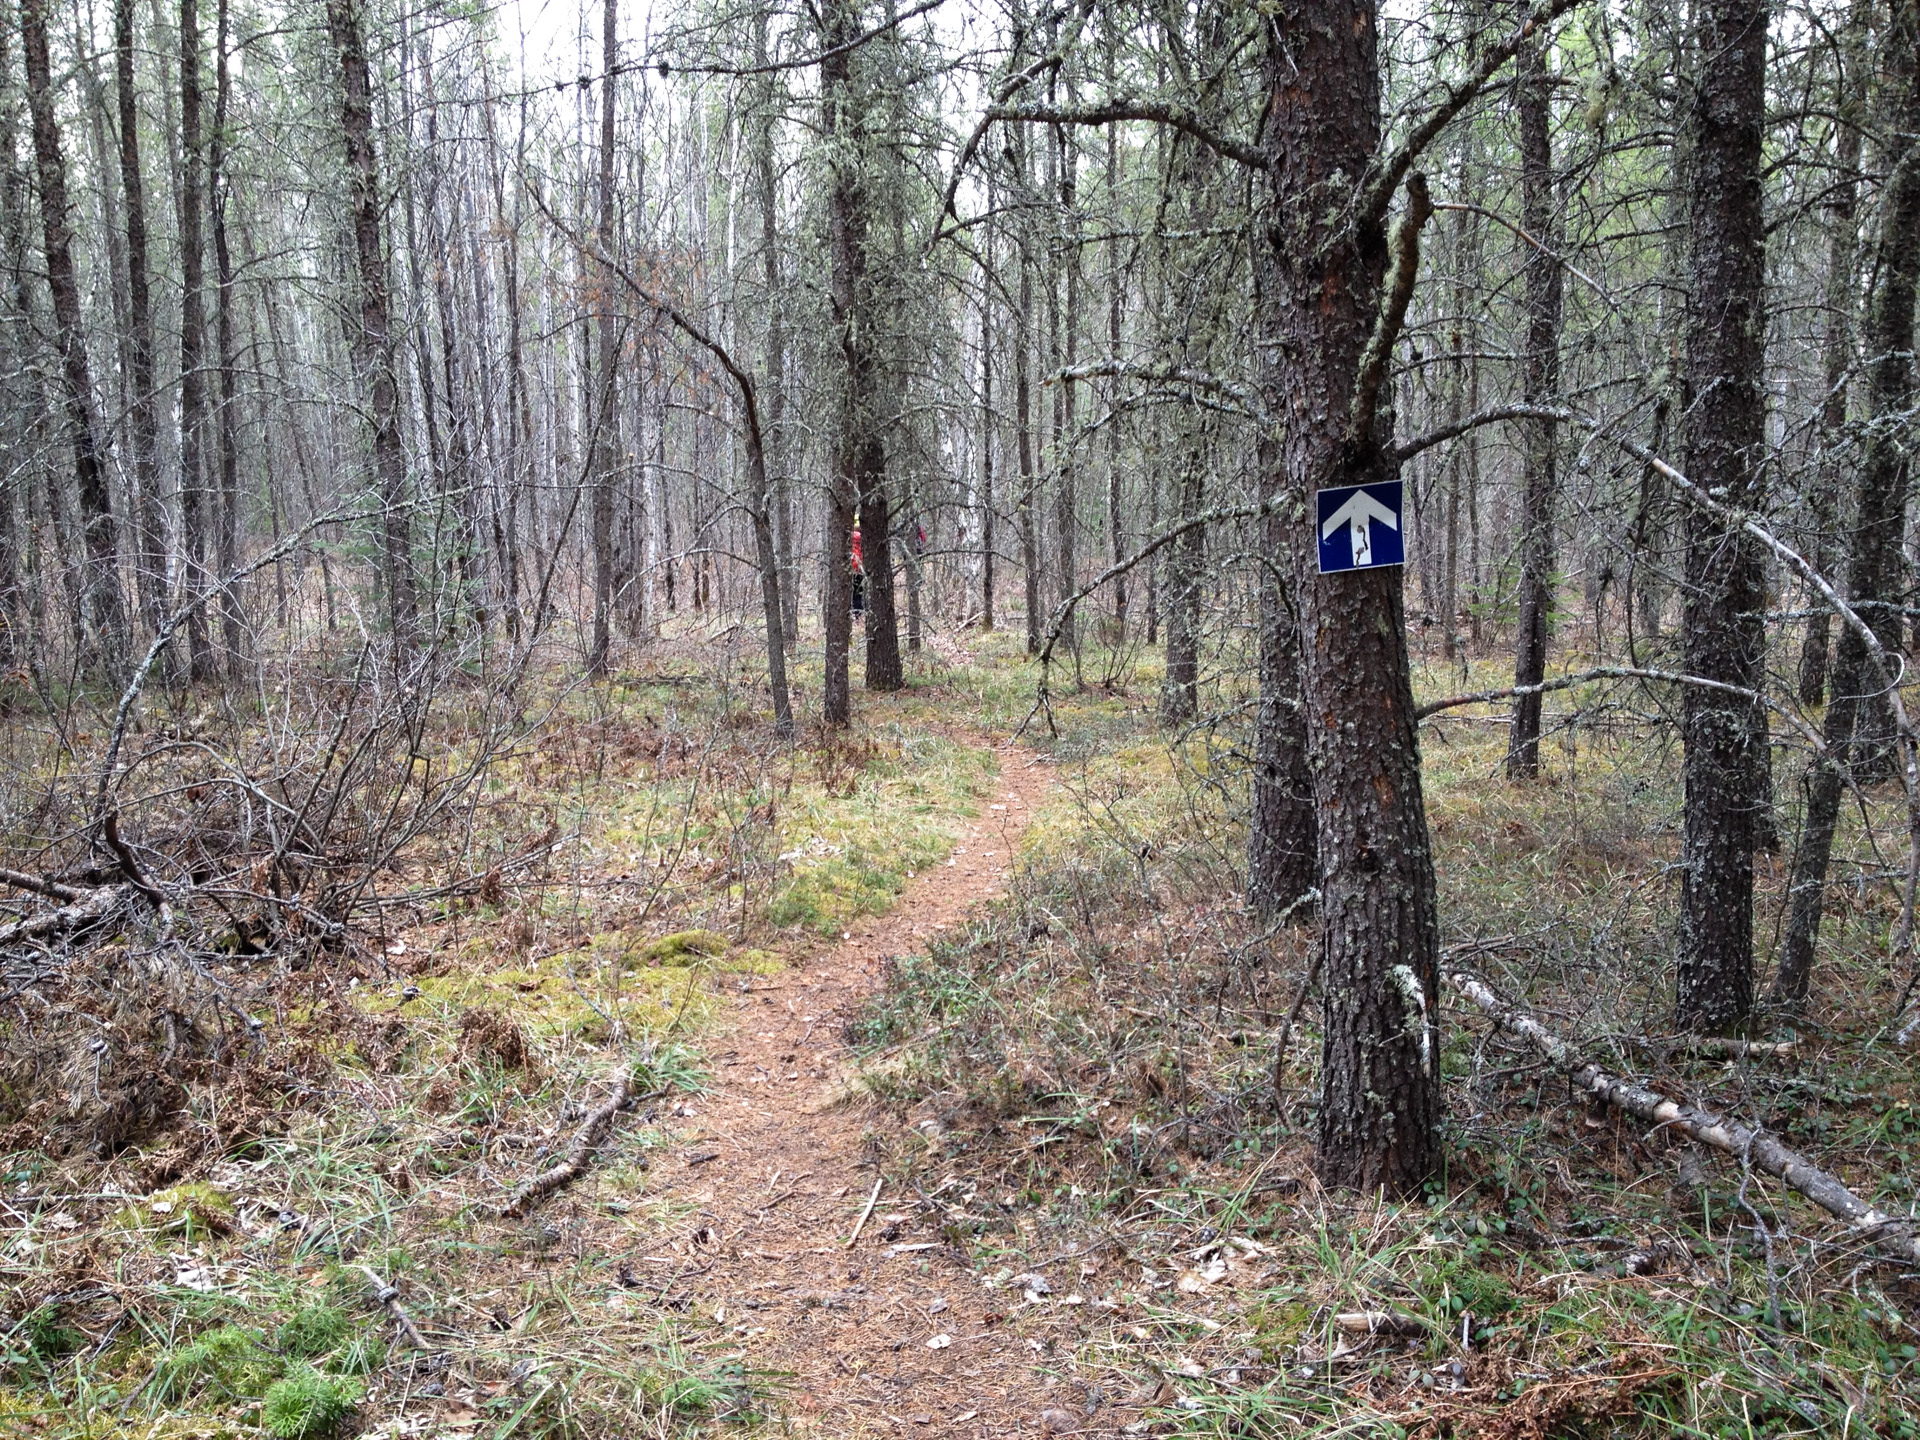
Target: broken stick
[389,1298]
[1894,1233]
[585,1141]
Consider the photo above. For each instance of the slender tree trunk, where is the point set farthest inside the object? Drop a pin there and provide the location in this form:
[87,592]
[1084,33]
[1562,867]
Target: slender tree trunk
[1836,349]
[193,342]
[1023,449]
[1180,690]
[1066,513]
[1540,383]
[227,500]
[143,425]
[105,606]
[1116,524]
[768,194]
[1884,475]
[1725,411]
[989,433]
[1324,268]
[373,334]
[606,436]
[851,455]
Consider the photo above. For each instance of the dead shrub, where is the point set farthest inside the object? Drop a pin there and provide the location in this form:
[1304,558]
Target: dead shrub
[489,1035]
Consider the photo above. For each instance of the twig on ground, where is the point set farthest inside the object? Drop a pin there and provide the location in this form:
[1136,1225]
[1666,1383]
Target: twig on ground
[867,1213]
[585,1141]
[388,1298]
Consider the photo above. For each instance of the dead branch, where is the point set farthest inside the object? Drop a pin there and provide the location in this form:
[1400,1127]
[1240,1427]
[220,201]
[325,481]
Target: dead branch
[1893,1233]
[388,1297]
[85,911]
[1713,1047]
[585,1141]
[1381,1322]
[52,889]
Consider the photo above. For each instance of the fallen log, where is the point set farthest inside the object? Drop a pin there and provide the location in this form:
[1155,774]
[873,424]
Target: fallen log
[1713,1047]
[579,1154]
[40,885]
[1894,1233]
[85,911]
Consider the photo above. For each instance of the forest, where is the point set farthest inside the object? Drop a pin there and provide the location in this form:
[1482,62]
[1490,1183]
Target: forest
[981,718]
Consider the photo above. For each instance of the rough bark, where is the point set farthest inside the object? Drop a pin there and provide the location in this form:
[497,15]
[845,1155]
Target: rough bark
[1323,273]
[1723,637]
[105,606]
[1283,864]
[1540,382]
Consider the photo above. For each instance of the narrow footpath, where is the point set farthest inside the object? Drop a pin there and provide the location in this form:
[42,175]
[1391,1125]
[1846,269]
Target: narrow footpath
[891,1333]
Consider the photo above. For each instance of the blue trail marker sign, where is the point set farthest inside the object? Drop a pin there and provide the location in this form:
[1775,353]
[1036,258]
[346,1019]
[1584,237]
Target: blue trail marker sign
[1359,527]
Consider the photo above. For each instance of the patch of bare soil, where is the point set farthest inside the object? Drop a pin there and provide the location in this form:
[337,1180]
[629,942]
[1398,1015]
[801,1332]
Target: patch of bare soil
[888,1332]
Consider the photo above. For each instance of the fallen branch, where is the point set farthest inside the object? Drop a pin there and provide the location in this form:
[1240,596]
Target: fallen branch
[867,1213]
[1891,1232]
[1716,1047]
[585,1141]
[52,889]
[1381,1322]
[85,911]
[389,1299]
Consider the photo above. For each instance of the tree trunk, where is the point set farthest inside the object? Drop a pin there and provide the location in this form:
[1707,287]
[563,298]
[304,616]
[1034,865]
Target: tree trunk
[143,424]
[1180,689]
[1540,383]
[105,607]
[1023,446]
[1324,267]
[1725,411]
[768,195]
[606,430]
[1883,477]
[1843,243]
[226,527]
[989,430]
[373,335]
[193,342]
[1067,423]
[1283,864]
[846,260]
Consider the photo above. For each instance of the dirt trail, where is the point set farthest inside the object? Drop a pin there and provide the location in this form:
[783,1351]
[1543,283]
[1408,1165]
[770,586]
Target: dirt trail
[775,1184]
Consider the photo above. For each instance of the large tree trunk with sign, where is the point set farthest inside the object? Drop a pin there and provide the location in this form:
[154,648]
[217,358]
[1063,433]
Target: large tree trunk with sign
[1725,765]
[1325,262]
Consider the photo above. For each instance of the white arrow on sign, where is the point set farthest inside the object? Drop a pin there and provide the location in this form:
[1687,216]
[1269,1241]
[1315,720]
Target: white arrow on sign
[1358,515]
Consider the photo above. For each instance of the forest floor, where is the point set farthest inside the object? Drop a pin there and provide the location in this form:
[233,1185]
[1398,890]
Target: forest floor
[966,1099]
